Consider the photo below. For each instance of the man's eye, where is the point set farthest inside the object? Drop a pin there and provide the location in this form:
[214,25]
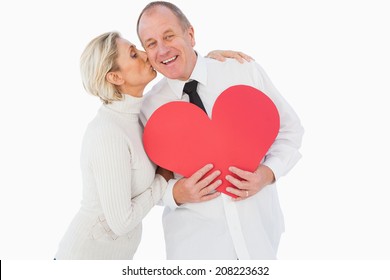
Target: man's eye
[151,45]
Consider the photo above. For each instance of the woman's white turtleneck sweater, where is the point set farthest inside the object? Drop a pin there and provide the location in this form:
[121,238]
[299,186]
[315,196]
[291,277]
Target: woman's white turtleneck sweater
[119,186]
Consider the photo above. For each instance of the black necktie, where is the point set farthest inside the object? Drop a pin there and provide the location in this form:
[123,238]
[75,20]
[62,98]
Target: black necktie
[190,89]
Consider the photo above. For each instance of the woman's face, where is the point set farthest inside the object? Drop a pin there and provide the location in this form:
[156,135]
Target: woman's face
[135,71]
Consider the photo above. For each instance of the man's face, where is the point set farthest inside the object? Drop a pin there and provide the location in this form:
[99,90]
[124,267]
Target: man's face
[168,46]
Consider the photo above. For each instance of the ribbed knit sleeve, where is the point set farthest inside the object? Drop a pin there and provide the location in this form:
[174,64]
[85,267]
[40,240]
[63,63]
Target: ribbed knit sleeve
[111,164]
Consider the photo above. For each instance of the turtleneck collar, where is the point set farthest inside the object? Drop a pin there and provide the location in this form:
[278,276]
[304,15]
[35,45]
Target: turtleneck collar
[128,105]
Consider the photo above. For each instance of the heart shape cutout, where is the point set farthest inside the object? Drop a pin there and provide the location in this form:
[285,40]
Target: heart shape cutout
[180,137]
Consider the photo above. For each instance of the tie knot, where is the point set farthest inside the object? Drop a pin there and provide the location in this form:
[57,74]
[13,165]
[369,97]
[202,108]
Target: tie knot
[190,87]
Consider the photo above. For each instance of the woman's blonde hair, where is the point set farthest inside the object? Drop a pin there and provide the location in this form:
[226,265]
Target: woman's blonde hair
[99,58]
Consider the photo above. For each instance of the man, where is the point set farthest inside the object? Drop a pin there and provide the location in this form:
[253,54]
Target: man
[220,228]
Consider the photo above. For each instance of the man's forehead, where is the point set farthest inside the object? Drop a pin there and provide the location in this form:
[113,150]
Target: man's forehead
[158,14]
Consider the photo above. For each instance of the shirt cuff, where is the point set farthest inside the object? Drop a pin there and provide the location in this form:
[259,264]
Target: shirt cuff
[168,199]
[275,165]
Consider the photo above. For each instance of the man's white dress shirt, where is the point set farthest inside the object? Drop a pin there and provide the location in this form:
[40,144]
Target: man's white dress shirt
[223,228]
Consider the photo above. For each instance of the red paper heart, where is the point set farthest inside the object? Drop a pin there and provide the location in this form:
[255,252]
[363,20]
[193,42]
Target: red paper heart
[180,137]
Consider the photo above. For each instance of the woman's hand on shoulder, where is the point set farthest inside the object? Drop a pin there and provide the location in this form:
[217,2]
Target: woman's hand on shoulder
[221,55]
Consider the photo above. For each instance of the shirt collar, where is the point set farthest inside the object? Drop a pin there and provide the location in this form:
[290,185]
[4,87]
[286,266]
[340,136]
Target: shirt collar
[199,73]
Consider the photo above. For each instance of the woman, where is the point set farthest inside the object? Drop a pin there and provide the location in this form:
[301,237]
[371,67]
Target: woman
[120,184]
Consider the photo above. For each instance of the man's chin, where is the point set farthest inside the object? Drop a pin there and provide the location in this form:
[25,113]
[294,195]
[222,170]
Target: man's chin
[171,75]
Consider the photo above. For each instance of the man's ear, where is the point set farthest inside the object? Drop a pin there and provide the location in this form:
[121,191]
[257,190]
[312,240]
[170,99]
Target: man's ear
[114,78]
[191,33]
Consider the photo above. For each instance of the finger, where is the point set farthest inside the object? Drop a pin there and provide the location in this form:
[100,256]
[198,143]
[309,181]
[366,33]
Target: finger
[231,54]
[246,57]
[207,180]
[216,55]
[241,173]
[234,191]
[235,182]
[234,55]
[200,173]
[241,194]
[210,188]
[220,57]
[209,196]
[238,57]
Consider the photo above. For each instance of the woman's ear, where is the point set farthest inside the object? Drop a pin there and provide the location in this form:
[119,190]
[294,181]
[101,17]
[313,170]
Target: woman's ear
[114,78]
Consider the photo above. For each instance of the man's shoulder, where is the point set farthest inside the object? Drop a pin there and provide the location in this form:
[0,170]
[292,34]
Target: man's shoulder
[157,88]
[230,65]
[158,95]
[234,71]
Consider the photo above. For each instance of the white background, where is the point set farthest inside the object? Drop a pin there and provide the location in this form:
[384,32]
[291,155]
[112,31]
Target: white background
[330,59]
